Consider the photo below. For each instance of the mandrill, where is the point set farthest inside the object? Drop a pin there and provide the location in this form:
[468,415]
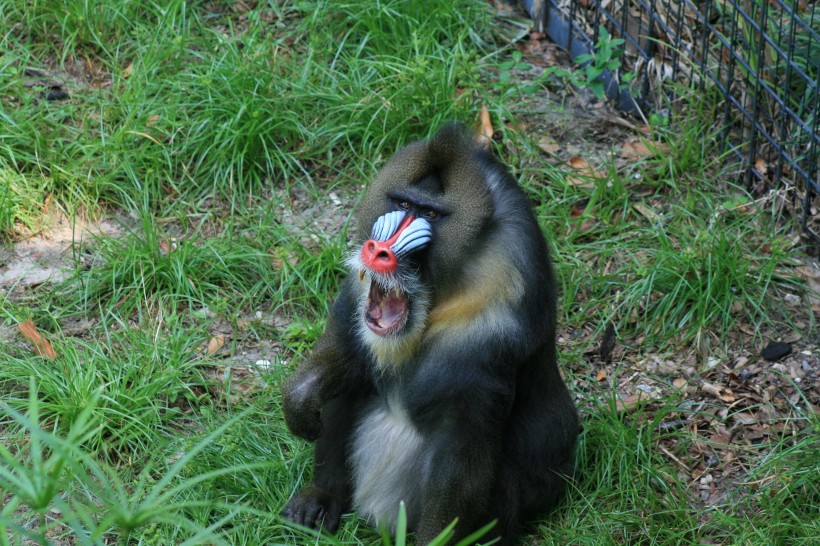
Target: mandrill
[435,382]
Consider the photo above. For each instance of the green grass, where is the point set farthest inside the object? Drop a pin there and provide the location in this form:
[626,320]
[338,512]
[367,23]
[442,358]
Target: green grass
[235,265]
[219,139]
[18,203]
[701,255]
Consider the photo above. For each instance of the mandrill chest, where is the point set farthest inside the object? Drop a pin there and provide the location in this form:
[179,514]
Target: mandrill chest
[389,462]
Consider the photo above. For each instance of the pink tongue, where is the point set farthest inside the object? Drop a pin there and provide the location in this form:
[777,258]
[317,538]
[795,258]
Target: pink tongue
[384,309]
[391,307]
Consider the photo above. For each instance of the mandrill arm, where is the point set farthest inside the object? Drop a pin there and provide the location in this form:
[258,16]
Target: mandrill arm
[334,368]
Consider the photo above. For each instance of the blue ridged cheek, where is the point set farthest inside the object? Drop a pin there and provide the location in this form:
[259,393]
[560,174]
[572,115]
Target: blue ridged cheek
[414,237]
[386,225]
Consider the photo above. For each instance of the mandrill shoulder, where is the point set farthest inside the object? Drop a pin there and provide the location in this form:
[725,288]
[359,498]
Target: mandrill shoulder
[487,299]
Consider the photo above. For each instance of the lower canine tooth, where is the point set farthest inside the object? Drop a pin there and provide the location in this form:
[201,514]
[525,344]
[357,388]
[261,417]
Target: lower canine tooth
[361,274]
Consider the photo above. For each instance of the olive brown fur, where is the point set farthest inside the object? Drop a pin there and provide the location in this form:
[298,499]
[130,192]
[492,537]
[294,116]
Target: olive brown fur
[436,383]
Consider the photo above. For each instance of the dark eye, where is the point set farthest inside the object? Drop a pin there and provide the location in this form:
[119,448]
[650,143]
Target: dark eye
[429,214]
[404,205]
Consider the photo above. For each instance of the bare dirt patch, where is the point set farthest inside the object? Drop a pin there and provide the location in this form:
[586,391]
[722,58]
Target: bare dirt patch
[48,255]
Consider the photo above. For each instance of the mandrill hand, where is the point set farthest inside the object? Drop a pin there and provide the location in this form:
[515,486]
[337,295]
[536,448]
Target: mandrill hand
[315,508]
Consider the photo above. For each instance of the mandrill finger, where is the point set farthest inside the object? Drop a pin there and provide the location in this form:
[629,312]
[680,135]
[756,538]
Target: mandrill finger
[314,508]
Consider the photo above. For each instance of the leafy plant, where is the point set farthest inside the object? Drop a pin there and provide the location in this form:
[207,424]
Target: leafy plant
[607,56]
[52,473]
[507,69]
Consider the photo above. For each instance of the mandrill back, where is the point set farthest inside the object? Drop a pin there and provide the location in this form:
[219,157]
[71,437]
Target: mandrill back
[435,382]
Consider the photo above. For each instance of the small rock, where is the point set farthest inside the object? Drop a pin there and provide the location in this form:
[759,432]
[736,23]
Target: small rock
[796,371]
[668,367]
[776,350]
[792,299]
[204,312]
[712,362]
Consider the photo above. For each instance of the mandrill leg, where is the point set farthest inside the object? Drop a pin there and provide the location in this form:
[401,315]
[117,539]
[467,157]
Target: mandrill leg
[321,505]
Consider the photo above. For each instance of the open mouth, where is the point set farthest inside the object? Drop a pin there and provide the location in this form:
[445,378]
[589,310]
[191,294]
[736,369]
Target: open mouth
[385,311]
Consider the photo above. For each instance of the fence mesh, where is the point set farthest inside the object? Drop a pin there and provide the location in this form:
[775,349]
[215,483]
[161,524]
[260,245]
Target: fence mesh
[763,56]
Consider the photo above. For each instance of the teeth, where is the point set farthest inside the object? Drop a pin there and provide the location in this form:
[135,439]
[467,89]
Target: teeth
[361,274]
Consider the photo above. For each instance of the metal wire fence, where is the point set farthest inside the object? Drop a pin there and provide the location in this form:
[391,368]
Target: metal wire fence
[762,56]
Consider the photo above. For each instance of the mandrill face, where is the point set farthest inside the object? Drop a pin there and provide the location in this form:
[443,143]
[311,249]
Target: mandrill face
[424,225]
[386,276]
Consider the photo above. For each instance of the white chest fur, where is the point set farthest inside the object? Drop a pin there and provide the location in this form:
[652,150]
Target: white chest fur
[389,465]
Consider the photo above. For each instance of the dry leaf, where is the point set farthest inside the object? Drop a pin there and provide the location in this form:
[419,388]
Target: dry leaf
[724,394]
[679,383]
[647,212]
[166,247]
[631,402]
[485,127]
[761,167]
[244,7]
[745,418]
[41,345]
[152,120]
[601,375]
[587,224]
[517,127]
[578,208]
[640,149]
[586,173]
[127,70]
[720,438]
[549,145]
[215,344]
[580,164]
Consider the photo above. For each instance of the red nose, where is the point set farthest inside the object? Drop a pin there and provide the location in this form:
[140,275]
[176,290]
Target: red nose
[377,256]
